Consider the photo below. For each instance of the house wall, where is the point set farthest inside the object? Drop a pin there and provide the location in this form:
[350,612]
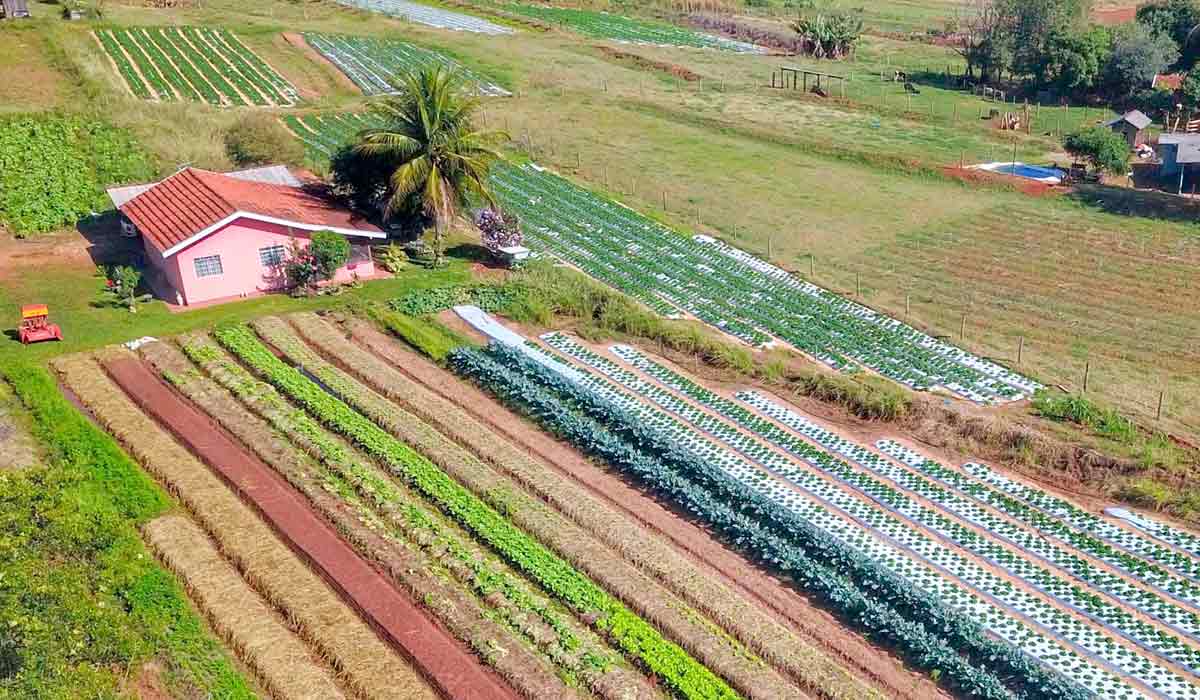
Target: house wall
[238,245]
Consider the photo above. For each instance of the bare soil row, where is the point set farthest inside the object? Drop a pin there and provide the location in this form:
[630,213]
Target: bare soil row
[449,667]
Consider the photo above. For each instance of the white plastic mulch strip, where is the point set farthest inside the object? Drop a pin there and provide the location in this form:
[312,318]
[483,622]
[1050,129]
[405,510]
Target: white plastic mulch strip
[430,16]
[874,531]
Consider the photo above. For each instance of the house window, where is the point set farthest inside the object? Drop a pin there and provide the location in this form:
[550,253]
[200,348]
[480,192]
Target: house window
[271,256]
[209,266]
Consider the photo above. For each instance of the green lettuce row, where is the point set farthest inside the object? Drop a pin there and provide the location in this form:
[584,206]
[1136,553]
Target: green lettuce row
[666,660]
[932,636]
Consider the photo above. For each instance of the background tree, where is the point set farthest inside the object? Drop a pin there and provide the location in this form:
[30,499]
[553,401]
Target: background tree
[430,148]
[1189,90]
[1075,61]
[981,38]
[1177,19]
[1103,148]
[1137,56]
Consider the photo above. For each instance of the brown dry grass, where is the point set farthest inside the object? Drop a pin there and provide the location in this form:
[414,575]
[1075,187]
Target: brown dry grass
[364,662]
[685,626]
[749,625]
[249,626]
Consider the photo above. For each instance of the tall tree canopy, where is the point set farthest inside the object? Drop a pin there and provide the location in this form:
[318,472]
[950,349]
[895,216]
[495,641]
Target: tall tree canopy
[430,149]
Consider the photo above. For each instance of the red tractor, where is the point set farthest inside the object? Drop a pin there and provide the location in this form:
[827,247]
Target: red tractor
[35,325]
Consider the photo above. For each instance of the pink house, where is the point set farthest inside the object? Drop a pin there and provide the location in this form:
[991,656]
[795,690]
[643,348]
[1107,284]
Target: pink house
[210,237]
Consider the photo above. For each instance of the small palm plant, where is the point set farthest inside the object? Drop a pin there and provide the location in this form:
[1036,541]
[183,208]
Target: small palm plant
[432,148]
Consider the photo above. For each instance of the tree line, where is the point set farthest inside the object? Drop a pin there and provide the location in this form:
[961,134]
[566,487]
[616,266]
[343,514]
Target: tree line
[1053,46]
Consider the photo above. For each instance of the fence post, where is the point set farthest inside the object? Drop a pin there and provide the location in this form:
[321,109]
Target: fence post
[1087,372]
[858,284]
[1020,349]
[664,200]
[1161,395]
[962,328]
[769,246]
[812,266]
[907,305]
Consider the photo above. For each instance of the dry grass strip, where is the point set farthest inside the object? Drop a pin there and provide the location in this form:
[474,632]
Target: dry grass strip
[247,624]
[365,663]
[332,495]
[743,620]
[686,627]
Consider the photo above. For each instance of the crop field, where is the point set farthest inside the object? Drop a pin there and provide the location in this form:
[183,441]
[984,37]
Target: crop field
[602,25]
[323,135]
[375,64]
[1073,604]
[198,64]
[429,16]
[584,601]
[736,292]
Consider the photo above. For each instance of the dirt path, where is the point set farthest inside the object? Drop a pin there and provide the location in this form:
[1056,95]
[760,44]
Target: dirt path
[781,601]
[450,667]
[17,447]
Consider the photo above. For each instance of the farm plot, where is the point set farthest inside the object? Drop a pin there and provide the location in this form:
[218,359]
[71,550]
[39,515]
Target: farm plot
[333,475]
[324,134]
[200,64]
[1087,638]
[603,25]
[422,388]
[736,292]
[374,65]
[638,639]
[328,624]
[430,16]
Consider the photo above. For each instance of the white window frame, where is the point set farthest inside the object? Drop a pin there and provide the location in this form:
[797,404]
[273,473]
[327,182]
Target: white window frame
[274,262]
[207,259]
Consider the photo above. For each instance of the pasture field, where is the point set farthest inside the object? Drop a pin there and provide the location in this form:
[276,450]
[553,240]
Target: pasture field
[196,64]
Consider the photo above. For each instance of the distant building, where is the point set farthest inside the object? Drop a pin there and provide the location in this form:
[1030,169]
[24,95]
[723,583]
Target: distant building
[1132,125]
[12,9]
[1177,152]
[1168,81]
[212,237]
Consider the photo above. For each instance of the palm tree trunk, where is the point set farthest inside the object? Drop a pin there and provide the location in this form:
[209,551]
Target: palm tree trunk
[439,240]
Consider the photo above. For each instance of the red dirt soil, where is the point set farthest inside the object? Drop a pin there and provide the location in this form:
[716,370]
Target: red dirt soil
[451,668]
[1115,15]
[1024,185]
[783,602]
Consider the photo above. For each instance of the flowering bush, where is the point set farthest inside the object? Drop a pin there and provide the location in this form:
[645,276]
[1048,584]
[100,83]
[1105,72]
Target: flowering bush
[498,229]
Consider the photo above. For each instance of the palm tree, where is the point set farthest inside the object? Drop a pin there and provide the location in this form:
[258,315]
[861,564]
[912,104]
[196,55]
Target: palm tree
[432,148]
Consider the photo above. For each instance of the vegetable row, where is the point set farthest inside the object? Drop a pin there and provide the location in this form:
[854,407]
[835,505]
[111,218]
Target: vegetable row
[194,63]
[374,64]
[881,498]
[735,292]
[825,554]
[671,664]
[430,16]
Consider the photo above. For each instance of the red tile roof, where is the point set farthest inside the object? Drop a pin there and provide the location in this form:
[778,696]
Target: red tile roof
[192,201]
[1168,81]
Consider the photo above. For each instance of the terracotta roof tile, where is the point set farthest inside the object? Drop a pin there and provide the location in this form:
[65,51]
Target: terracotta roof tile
[193,200]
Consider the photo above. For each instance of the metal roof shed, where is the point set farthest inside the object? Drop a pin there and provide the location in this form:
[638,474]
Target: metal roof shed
[1132,126]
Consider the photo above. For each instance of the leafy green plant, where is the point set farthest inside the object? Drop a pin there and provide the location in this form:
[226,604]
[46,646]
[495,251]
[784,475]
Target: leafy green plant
[84,604]
[391,257]
[633,635]
[53,169]
[307,266]
[121,284]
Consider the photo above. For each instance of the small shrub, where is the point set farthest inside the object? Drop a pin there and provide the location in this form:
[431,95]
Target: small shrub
[308,266]
[391,258]
[260,139]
